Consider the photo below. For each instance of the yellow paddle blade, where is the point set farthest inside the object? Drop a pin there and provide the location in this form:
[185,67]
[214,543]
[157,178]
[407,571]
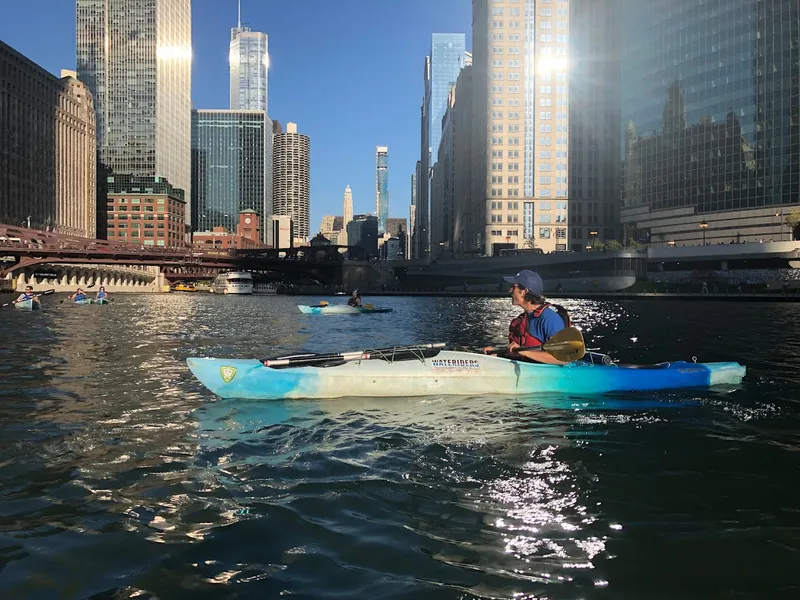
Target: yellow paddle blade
[567,345]
[323,303]
[369,306]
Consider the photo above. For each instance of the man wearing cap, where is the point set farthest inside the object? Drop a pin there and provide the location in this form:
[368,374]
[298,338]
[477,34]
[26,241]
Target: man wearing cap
[355,299]
[540,321]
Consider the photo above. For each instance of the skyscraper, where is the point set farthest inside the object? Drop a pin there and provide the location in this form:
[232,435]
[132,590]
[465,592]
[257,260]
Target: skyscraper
[412,215]
[249,68]
[448,56]
[48,142]
[521,124]
[348,214]
[594,122]
[711,126]
[382,186]
[140,76]
[291,178]
[229,168]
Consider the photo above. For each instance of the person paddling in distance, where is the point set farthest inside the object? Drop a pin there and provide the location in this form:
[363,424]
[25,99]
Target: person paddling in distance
[27,295]
[355,299]
[102,294]
[78,295]
[538,323]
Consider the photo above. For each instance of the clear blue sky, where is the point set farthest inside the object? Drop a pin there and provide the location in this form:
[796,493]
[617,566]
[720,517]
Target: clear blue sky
[348,72]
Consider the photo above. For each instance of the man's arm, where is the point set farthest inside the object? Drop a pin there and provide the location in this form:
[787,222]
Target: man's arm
[541,356]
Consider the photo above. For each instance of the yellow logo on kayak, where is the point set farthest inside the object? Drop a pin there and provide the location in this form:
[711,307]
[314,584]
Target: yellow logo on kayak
[227,373]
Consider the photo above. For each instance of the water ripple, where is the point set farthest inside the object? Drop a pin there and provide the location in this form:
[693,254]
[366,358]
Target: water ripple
[122,477]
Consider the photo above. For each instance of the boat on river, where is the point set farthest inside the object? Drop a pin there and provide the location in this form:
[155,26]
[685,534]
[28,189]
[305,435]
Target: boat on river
[27,305]
[341,309]
[446,372]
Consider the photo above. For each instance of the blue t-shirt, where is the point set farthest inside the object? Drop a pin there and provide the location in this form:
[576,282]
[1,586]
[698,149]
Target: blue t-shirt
[80,297]
[101,295]
[546,325]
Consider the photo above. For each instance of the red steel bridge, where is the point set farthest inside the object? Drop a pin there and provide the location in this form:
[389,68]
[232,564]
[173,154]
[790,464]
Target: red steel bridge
[23,248]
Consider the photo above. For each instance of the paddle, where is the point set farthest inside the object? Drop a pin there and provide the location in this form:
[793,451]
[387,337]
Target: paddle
[45,293]
[567,346]
[322,304]
[393,353]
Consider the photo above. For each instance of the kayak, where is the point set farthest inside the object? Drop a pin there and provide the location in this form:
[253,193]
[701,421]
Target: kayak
[450,373]
[87,301]
[28,305]
[340,309]
[102,301]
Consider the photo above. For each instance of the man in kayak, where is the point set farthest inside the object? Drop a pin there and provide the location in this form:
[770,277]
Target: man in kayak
[355,299]
[27,295]
[538,323]
[78,295]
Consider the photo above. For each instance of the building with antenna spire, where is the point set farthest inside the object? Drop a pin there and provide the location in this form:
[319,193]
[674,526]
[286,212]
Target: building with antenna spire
[249,67]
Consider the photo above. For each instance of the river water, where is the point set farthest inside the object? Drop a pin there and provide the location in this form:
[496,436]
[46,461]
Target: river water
[122,477]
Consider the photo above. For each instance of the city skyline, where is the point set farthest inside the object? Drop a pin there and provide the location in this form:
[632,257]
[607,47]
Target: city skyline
[344,133]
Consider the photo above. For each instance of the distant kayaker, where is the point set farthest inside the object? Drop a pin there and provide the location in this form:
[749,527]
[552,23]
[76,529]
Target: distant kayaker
[101,293]
[78,295]
[540,321]
[27,295]
[355,299]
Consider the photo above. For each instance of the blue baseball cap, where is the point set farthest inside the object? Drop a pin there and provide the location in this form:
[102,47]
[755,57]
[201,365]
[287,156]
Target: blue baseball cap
[530,280]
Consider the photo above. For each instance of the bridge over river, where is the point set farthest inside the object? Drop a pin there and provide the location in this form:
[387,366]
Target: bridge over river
[30,255]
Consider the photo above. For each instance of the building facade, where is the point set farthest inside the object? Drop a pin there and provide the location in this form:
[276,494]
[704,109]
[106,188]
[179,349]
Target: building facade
[248,235]
[447,57]
[282,231]
[421,234]
[347,217]
[47,148]
[291,178]
[229,168]
[443,186]
[362,231]
[396,224]
[382,186]
[711,120]
[145,211]
[412,213]
[249,69]
[140,76]
[594,123]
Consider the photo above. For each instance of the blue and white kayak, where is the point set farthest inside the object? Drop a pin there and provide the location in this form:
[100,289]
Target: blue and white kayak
[450,373]
[82,302]
[341,309]
[28,305]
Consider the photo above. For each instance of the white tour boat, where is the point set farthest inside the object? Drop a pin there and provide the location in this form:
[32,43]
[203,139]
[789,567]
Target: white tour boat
[235,282]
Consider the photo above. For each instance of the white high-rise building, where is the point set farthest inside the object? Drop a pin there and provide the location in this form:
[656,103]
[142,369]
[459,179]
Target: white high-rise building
[291,178]
[136,58]
[348,214]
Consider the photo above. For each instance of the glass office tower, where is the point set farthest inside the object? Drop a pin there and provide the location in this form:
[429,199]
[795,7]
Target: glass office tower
[710,118]
[140,76]
[229,168]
